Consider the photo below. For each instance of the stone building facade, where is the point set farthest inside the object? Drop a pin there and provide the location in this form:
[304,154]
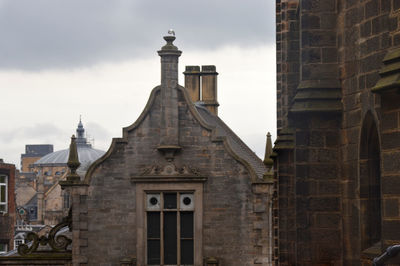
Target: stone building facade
[179,187]
[7,206]
[40,200]
[338,150]
[34,152]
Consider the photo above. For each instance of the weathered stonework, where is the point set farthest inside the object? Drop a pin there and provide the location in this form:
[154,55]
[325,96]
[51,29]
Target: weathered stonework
[174,145]
[336,183]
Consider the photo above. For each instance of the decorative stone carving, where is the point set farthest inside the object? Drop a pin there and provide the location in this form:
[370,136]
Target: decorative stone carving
[170,169]
[169,172]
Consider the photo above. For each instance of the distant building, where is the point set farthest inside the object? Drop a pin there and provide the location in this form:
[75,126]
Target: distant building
[7,206]
[25,185]
[32,154]
[39,197]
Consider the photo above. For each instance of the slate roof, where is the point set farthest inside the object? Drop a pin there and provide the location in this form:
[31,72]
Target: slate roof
[86,155]
[237,145]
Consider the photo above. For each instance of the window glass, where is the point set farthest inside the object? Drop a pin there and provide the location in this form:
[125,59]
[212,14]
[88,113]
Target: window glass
[153,225]
[170,201]
[153,252]
[186,224]
[170,238]
[170,223]
[18,242]
[187,252]
[3,248]
[3,193]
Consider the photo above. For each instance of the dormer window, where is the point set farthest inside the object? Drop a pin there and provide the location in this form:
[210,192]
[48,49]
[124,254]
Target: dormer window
[3,193]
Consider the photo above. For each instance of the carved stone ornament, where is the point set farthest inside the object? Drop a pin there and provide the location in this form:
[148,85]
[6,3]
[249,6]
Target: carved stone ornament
[57,243]
[169,172]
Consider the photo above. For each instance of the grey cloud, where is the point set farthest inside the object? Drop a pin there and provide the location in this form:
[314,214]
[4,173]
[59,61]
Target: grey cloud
[13,140]
[37,132]
[45,34]
[95,130]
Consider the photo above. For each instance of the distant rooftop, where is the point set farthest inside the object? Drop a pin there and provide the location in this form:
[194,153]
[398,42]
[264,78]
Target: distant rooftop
[86,153]
[37,150]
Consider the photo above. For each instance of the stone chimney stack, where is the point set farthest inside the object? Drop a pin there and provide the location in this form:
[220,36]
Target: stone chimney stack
[192,82]
[209,88]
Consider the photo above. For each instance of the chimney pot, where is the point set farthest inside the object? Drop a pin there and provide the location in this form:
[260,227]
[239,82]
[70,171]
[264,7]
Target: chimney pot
[210,68]
[192,82]
[209,88]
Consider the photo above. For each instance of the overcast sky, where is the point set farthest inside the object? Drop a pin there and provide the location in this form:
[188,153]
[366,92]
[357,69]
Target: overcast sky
[97,58]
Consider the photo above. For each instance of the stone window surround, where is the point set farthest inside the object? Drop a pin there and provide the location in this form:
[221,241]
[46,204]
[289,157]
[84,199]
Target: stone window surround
[142,189]
[4,184]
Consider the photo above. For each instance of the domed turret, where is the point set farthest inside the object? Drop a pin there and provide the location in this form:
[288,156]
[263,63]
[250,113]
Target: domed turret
[86,153]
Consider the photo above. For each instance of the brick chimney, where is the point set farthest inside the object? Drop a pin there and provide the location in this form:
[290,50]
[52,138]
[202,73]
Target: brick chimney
[209,88]
[192,82]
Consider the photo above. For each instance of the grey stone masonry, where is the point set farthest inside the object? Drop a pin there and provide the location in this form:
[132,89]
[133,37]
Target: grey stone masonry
[337,91]
[174,146]
[169,81]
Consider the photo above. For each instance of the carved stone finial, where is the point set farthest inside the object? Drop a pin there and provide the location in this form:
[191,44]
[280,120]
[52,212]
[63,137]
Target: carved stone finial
[73,161]
[169,45]
[268,152]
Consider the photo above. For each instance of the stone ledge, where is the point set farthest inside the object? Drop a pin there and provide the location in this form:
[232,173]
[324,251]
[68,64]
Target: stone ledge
[284,141]
[390,73]
[317,96]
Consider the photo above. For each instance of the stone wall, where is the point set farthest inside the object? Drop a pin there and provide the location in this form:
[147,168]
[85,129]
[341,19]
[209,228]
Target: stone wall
[369,29]
[333,116]
[236,209]
[287,57]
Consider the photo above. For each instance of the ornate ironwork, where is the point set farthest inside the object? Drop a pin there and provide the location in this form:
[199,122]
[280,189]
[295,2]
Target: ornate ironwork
[391,252]
[57,243]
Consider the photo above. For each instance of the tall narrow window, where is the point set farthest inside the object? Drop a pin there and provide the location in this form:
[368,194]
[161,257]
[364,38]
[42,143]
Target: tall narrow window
[170,224]
[370,188]
[66,200]
[3,247]
[3,193]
